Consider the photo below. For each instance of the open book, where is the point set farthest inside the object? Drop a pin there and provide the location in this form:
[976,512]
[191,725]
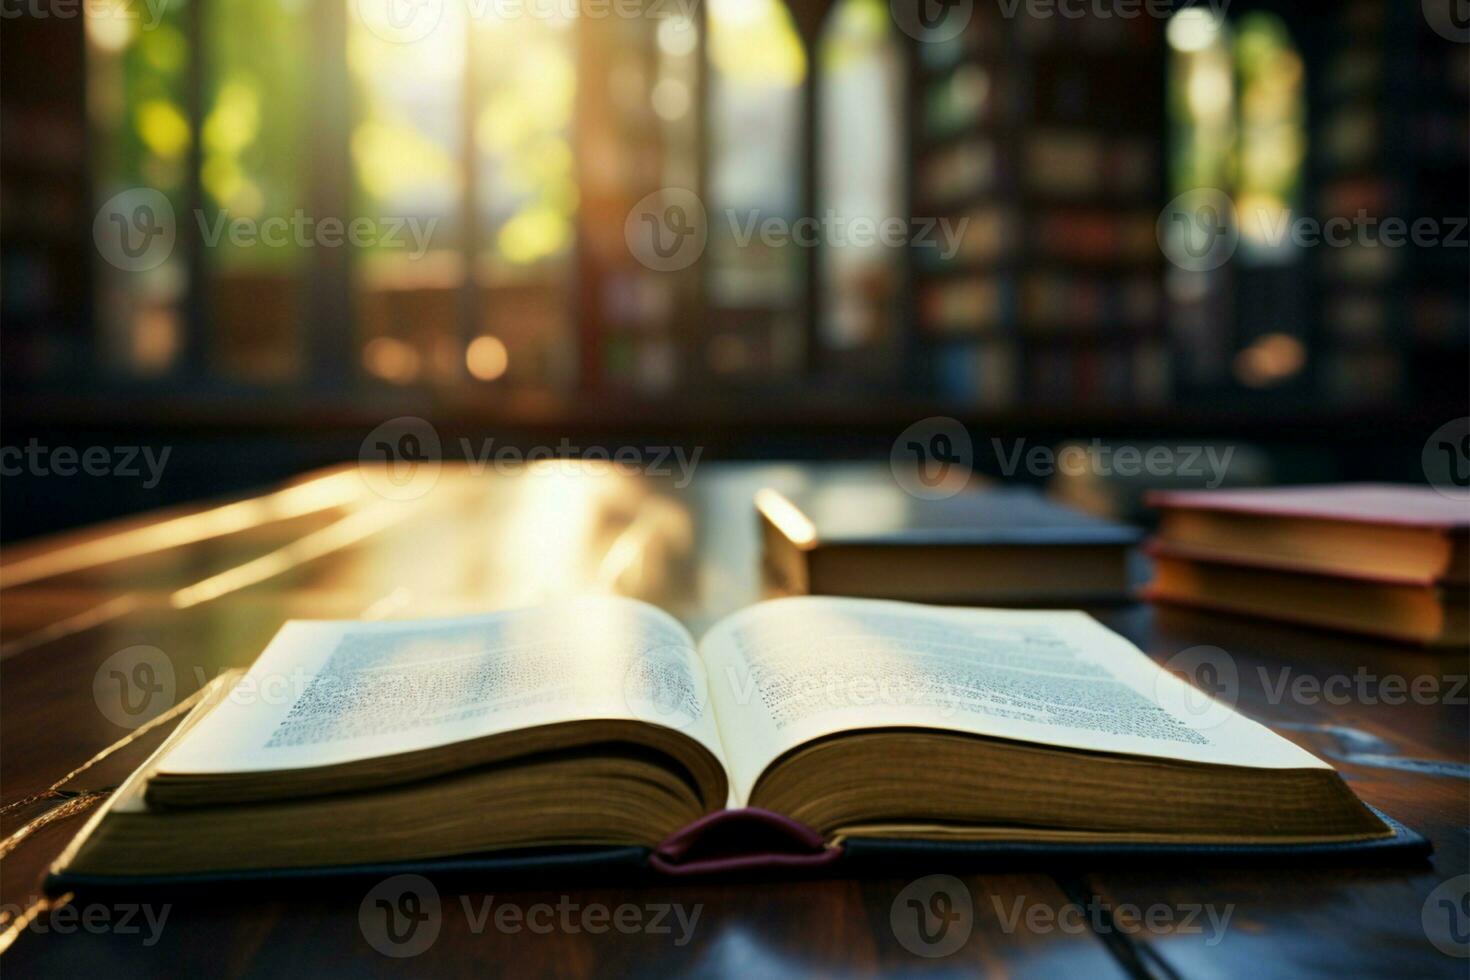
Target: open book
[603,721]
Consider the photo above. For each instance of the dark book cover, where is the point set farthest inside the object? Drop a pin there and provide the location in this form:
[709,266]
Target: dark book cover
[1001,546]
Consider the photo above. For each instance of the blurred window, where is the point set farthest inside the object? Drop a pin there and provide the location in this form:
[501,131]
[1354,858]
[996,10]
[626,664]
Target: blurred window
[1273,139]
[408,152]
[137,99]
[757,68]
[1237,115]
[254,167]
[861,176]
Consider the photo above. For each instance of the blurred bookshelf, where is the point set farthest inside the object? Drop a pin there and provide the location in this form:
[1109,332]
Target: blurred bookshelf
[630,337]
[1043,135]
[1394,138]
[1054,139]
[45,200]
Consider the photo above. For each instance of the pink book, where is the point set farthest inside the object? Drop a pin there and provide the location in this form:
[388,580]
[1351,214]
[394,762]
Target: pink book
[1360,503]
[1394,534]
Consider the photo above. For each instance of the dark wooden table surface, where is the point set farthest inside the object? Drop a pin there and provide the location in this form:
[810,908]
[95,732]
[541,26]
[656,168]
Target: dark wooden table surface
[205,588]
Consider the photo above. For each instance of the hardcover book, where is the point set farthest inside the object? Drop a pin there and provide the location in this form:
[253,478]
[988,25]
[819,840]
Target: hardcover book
[803,727]
[993,546]
[1377,532]
[1382,560]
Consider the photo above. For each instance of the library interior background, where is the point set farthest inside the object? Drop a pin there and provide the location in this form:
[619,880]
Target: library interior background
[774,229]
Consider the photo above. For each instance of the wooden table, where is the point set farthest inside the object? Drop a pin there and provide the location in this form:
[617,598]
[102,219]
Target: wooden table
[208,586]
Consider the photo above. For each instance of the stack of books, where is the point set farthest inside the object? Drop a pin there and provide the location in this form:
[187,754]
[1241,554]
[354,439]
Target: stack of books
[1389,561]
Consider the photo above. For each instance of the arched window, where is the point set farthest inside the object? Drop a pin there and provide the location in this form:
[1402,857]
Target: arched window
[468,132]
[1273,141]
[481,163]
[526,202]
[137,102]
[637,116]
[757,68]
[254,163]
[860,174]
[407,147]
[1237,113]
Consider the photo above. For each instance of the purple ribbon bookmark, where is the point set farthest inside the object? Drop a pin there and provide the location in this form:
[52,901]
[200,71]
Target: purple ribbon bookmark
[740,840]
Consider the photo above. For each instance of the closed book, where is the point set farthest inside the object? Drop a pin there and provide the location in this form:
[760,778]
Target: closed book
[1431,615]
[1009,546]
[1375,532]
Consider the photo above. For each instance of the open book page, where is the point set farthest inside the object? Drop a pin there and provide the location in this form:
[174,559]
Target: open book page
[331,692]
[787,671]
